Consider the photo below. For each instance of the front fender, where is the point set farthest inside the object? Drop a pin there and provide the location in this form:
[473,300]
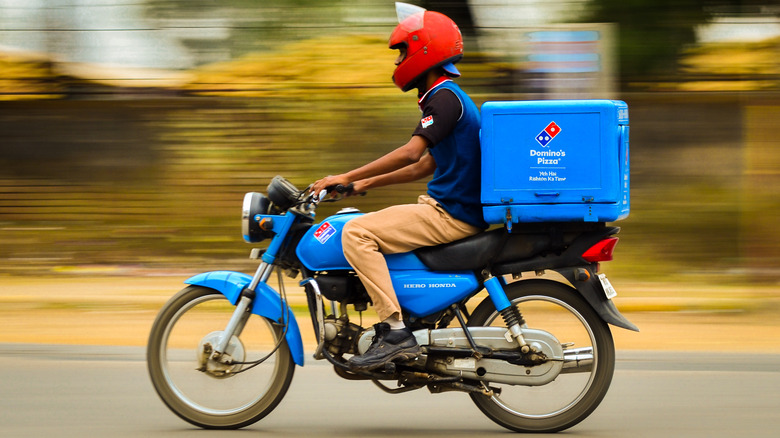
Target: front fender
[267,303]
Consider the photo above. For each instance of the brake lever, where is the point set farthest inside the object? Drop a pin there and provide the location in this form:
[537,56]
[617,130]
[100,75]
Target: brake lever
[321,195]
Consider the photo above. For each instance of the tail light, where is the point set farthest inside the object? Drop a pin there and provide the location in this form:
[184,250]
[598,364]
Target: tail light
[602,251]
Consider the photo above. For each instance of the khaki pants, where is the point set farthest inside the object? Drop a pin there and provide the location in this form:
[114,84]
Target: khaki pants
[396,229]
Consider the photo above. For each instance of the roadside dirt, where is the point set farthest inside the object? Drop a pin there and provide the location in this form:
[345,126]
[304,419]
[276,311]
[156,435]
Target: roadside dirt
[120,311]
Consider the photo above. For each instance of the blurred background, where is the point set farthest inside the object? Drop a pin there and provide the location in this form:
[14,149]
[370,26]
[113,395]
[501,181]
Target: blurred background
[130,130]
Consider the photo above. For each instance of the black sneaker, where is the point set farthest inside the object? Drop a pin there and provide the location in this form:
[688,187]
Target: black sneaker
[387,346]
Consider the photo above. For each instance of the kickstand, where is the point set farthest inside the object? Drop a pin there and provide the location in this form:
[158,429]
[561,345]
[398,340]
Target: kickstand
[474,349]
[395,390]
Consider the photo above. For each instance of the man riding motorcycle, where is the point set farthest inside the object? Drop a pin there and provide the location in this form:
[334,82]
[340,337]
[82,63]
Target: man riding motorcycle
[444,144]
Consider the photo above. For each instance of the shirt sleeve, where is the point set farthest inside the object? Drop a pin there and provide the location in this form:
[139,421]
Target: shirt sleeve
[440,115]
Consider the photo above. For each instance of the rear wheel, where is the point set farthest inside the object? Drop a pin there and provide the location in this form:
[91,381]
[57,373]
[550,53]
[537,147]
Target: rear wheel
[202,391]
[560,310]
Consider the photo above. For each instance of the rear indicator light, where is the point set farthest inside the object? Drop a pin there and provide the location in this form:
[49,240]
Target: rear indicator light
[602,251]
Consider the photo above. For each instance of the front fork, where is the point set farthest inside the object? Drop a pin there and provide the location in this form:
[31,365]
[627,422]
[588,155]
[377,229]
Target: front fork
[511,315]
[241,314]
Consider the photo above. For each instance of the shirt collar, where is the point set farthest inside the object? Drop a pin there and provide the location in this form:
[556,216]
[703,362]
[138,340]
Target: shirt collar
[438,82]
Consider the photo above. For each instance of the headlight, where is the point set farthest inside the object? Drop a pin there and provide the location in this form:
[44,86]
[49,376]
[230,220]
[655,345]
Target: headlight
[254,204]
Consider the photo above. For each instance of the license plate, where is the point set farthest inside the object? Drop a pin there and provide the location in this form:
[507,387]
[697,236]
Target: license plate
[609,291]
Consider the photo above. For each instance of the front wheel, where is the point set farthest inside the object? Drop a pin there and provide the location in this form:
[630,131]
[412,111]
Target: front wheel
[560,310]
[207,393]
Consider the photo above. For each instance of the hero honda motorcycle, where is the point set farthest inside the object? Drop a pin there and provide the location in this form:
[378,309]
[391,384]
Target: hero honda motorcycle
[534,352]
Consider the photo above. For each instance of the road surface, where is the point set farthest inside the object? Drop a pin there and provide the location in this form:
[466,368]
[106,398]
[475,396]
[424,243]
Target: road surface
[77,391]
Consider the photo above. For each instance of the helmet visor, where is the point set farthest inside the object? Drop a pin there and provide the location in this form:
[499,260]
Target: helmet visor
[410,17]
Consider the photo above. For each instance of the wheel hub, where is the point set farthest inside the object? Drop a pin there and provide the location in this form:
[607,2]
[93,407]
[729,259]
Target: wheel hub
[223,365]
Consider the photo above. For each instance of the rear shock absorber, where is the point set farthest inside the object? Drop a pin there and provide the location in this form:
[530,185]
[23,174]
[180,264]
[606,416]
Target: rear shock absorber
[515,322]
[511,315]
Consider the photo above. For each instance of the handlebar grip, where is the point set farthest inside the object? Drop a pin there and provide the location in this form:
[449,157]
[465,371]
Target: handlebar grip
[344,189]
[341,189]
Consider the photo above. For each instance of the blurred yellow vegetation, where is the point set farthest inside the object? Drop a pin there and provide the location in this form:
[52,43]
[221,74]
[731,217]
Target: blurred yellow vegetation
[362,65]
[734,66]
[343,64]
[27,76]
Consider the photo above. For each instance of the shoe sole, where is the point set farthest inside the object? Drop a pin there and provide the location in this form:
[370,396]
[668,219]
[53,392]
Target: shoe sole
[399,356]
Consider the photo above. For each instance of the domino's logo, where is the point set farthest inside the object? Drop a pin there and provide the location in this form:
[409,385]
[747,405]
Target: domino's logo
[548,134]
[324,232]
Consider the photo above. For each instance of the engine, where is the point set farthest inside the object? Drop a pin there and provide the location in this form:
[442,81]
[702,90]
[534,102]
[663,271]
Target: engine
[340,335]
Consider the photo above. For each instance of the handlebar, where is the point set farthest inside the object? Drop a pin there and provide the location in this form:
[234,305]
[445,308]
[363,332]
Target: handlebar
[341,189]
[348,189]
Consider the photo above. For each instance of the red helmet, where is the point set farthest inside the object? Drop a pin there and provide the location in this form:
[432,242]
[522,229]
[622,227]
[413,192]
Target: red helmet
[429,39]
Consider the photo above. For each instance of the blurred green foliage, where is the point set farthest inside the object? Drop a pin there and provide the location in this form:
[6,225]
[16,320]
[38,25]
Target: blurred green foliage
[267,25]
[652,34]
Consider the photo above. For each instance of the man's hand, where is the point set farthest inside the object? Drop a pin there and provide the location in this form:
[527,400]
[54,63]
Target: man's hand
[329,181]
[359,187]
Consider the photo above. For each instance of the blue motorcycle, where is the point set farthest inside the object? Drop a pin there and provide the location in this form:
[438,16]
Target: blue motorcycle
[518,320]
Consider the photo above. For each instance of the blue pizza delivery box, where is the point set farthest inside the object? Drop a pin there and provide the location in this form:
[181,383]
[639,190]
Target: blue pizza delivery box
[555,161]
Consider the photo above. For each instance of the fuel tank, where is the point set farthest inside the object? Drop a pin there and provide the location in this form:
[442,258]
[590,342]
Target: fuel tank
[420,291]
[320,248]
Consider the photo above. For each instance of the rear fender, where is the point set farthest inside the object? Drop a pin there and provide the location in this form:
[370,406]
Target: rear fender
[267,303]
[594,294]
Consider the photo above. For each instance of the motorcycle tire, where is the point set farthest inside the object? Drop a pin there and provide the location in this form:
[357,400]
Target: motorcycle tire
[178,368]
[558,309]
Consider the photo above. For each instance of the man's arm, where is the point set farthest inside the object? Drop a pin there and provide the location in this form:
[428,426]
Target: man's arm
[407,155]
[425,167]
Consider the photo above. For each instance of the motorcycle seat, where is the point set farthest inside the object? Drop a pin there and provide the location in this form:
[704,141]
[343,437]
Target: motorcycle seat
[497,246]
[483,249]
